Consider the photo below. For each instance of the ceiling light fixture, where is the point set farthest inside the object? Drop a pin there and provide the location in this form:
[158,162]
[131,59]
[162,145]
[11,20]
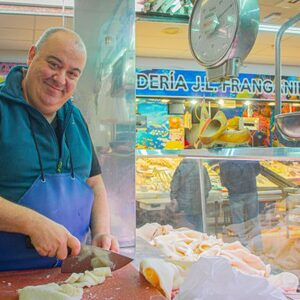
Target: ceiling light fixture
[170,30]
[221,102]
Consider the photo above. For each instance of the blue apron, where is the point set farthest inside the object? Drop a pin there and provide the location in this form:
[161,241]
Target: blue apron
[64,198]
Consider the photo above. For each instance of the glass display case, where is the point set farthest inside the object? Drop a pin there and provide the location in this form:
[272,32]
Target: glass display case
[250,195]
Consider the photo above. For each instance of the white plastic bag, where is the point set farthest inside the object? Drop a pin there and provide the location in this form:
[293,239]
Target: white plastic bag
[213,278]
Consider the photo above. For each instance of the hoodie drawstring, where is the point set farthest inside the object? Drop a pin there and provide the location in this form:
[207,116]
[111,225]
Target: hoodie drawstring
[39,154]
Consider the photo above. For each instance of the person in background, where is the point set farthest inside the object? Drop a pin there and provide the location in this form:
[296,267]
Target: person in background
[51,190]
[185,191]
[239,177]
[258,139]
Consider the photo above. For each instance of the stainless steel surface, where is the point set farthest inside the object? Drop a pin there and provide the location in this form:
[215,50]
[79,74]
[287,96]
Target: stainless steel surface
[279,35]
[288,129]
[91,257]
[202,194]
[226,71]
[249,153]
[106,97]
[280,154]
[247,30]
[155,153]
[287,125]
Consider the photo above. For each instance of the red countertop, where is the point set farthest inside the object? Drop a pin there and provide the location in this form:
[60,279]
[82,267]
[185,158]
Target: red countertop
[126,283]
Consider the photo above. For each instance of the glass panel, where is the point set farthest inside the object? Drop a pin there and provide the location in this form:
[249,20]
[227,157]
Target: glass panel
[254,202]
[153,180]
[106,96]
[254,153]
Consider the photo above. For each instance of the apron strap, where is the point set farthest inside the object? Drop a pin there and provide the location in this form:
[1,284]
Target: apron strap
[37,149]
[71,159]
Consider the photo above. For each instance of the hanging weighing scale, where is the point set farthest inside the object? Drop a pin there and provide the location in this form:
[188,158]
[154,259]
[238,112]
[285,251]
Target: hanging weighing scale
[221,34]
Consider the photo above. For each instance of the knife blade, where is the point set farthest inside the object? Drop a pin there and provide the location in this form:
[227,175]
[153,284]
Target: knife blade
[91,257]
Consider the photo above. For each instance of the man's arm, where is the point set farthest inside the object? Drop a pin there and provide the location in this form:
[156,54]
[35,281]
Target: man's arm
[100,222]
[257,168]
[47,237]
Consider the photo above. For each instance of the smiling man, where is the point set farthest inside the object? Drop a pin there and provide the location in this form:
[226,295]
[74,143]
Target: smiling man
[51,189]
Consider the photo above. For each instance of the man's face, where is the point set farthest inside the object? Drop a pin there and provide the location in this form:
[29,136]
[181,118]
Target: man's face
[53,72]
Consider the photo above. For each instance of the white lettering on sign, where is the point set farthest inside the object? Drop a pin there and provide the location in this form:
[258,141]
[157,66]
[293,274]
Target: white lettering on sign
[164,82]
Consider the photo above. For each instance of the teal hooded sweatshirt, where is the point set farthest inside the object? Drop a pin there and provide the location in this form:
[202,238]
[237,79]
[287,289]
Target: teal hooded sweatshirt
[19,163]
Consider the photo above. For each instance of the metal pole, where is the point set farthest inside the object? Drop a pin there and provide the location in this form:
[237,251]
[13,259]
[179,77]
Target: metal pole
[279,35]
[63,14]
[202,193]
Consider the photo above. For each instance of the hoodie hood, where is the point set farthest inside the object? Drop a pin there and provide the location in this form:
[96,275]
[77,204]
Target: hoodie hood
[12,86]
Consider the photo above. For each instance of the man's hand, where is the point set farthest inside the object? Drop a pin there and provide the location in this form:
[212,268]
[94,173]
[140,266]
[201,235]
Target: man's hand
[48,237]
[106,241]
[100,221]
[52,239]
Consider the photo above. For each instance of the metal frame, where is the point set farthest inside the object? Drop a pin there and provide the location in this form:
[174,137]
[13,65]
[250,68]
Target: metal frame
[279,35]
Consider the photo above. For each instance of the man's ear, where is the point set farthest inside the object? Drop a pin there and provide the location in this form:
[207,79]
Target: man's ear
[31,54]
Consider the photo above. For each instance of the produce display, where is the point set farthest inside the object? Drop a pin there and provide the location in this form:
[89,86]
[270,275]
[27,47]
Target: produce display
[263,181]
[285,170]
[214,171]
[155,174]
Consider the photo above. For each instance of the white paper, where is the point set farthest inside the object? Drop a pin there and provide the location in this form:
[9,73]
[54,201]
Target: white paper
[213,278]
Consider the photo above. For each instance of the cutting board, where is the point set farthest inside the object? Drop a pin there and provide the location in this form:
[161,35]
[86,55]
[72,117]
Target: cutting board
[126,283]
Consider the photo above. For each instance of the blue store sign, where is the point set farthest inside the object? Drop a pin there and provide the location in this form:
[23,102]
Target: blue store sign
[188,83]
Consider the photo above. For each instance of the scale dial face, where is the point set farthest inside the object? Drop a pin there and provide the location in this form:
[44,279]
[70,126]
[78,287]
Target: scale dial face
[213,28]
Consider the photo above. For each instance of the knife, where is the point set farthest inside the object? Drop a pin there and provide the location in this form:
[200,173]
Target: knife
[91,257]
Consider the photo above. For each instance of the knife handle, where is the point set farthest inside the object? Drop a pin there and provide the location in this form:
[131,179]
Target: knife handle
[29,245]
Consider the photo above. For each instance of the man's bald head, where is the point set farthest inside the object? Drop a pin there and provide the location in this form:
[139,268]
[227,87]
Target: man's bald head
[55,64]
[53,30]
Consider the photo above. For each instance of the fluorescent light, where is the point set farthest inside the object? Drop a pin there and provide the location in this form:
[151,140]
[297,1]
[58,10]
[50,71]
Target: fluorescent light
[170,30]
[221,102]
[40,2]
[194,102]
[275,28]
[247,103]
